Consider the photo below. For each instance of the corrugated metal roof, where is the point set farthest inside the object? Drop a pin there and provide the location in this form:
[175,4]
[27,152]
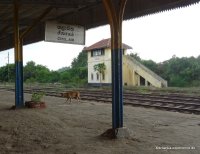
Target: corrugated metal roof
[88,13]
[105,43]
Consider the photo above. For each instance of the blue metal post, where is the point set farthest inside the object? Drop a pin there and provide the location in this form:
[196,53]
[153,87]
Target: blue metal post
[19,93]
[115,11]
[117,89]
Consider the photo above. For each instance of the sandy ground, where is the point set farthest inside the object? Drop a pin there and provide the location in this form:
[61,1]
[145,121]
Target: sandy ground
[74,128]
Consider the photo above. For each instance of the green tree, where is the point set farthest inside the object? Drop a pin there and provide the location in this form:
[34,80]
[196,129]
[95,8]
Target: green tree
[30,71]
[7,73]
[80,61]
[77,73]
[136,56]
[39,73]
[43,74]
[65,76]
[100,68]
[54,76]
[179,72]
[151,65]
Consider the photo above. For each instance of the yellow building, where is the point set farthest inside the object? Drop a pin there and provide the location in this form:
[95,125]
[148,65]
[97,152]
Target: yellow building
[134,73]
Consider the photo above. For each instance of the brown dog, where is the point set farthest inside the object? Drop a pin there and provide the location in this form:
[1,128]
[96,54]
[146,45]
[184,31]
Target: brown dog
[70,95]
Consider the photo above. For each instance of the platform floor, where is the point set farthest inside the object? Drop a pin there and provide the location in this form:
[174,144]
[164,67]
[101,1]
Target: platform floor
[64,128]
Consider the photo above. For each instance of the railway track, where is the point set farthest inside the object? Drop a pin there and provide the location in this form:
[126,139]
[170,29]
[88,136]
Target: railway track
[169,101]
[188,104]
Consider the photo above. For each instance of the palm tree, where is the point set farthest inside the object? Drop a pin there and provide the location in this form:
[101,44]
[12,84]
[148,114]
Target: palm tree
[100,68]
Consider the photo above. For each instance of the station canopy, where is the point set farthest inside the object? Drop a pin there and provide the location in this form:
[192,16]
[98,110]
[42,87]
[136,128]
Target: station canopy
[87,13]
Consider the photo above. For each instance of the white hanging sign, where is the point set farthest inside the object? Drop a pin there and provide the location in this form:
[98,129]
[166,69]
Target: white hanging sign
[64,33]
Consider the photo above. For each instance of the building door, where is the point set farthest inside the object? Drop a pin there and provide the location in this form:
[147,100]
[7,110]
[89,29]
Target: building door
[142,81]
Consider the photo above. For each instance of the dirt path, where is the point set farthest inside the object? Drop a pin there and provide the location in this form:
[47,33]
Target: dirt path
[74,128]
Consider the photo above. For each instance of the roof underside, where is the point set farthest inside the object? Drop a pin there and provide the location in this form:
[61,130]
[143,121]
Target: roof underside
[88,13]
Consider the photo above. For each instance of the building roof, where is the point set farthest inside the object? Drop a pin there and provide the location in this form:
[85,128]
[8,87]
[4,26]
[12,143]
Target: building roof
[87,13]
[105,43]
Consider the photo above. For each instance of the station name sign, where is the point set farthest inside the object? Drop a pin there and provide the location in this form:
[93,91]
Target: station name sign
[64,33]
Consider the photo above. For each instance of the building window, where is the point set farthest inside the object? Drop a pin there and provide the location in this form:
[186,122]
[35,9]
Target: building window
[92,76]
[97,52]
[97,76]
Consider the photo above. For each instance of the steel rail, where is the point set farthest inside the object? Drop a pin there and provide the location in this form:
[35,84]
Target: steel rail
[162,102]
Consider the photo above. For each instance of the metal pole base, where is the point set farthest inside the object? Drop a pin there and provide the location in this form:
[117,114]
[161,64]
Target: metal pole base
[117,133]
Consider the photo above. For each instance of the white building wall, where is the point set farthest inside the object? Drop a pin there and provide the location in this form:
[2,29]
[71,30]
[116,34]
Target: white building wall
[106,58]
[130,77]
[131,71]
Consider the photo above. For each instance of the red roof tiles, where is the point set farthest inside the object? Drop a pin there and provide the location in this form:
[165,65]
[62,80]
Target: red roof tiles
[105,43]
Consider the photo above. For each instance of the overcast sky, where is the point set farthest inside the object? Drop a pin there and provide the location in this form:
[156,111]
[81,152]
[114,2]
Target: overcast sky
[157,37]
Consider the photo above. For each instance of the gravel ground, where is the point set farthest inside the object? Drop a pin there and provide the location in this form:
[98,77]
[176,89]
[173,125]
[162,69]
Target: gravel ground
[63,128]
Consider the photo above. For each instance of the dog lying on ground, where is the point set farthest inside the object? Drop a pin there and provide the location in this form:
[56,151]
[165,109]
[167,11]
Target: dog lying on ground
[70,95]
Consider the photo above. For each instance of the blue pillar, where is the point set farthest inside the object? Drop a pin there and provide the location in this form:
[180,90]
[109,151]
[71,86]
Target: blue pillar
[117,89]
[19,92]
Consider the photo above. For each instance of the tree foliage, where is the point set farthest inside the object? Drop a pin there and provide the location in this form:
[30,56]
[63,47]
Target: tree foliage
[37,73]
[80,61]
[77,74]
[7,73]
[100,68]
[179,72]
[74,75]
[136,56]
